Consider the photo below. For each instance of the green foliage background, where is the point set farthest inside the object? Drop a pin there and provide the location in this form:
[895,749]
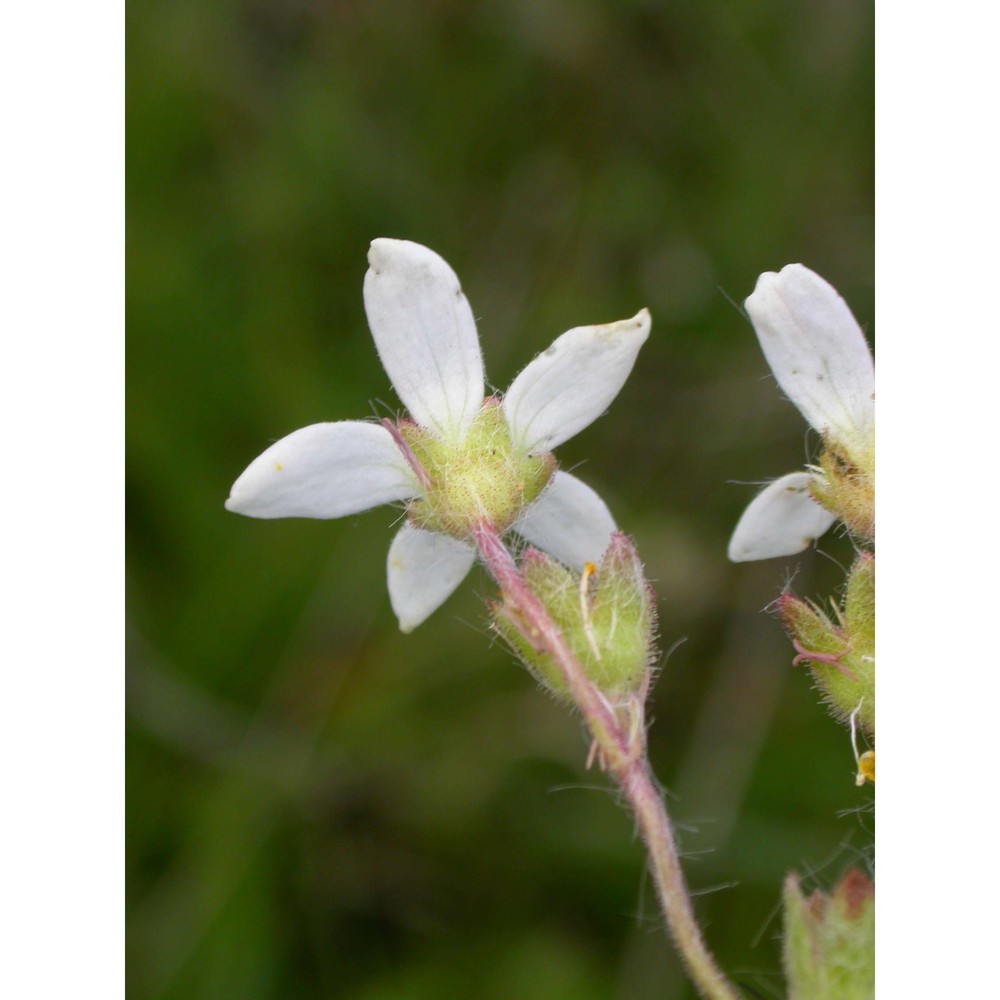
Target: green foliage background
[319,806]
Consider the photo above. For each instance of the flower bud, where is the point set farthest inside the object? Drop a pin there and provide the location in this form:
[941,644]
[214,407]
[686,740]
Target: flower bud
[606,614]
[830,940]
[481,477]
[840,655]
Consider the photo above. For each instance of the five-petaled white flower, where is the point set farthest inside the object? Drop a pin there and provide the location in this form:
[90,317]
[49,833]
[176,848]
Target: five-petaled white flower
[820,357]
[462,457]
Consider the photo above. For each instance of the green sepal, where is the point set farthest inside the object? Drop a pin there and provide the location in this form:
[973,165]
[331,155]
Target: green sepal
[859,602]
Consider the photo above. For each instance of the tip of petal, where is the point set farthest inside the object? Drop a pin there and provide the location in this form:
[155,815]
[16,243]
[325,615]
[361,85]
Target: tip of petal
[235,504]
[772,280]
[384,252]
[638,326]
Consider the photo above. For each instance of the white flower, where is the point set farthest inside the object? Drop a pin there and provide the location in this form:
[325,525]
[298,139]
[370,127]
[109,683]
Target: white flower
[426,338]
[821,360]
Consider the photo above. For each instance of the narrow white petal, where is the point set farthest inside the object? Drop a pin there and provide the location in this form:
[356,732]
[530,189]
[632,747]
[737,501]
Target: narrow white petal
[325,470]
[569,521]
[782,519]
[425,335]
[816,350]
[569,385]
[425,567]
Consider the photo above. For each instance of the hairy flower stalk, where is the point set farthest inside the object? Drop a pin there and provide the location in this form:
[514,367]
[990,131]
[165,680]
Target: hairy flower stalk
[620,736]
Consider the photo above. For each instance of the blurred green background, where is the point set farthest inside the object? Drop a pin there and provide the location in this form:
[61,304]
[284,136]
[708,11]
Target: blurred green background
[319,806]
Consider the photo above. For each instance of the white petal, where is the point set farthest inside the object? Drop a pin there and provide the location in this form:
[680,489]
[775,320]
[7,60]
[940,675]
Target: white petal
[425,567]
[782,519]
[569,521]
[325,470]
[425,335]
[816,350]
[571,384]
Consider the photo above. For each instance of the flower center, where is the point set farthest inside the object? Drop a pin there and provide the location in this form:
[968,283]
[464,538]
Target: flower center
[481,478]
[845,485]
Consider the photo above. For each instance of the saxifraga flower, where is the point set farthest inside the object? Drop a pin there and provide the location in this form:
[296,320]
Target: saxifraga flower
[461,458]
[821,359]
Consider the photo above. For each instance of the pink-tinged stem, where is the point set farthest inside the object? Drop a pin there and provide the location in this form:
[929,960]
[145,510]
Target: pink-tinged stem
[543,631]
[620,737]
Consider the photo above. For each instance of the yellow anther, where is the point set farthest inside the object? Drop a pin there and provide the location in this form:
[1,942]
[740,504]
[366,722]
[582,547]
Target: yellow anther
[866,768]
[865,762]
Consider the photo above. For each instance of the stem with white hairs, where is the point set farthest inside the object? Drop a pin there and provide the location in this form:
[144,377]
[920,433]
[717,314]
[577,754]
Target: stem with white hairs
[619,735]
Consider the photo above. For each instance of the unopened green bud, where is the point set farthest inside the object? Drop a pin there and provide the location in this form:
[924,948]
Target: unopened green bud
[483,477]
[841,654]
[830,940]
[606,614]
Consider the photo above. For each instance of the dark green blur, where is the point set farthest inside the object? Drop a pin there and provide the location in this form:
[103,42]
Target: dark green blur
[322,807]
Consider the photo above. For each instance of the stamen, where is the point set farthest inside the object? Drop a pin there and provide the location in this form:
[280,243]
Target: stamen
[589,571]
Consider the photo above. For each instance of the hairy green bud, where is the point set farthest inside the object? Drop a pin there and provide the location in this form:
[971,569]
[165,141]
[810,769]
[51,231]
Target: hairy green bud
[606,614]
[829,947]
[840,653]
